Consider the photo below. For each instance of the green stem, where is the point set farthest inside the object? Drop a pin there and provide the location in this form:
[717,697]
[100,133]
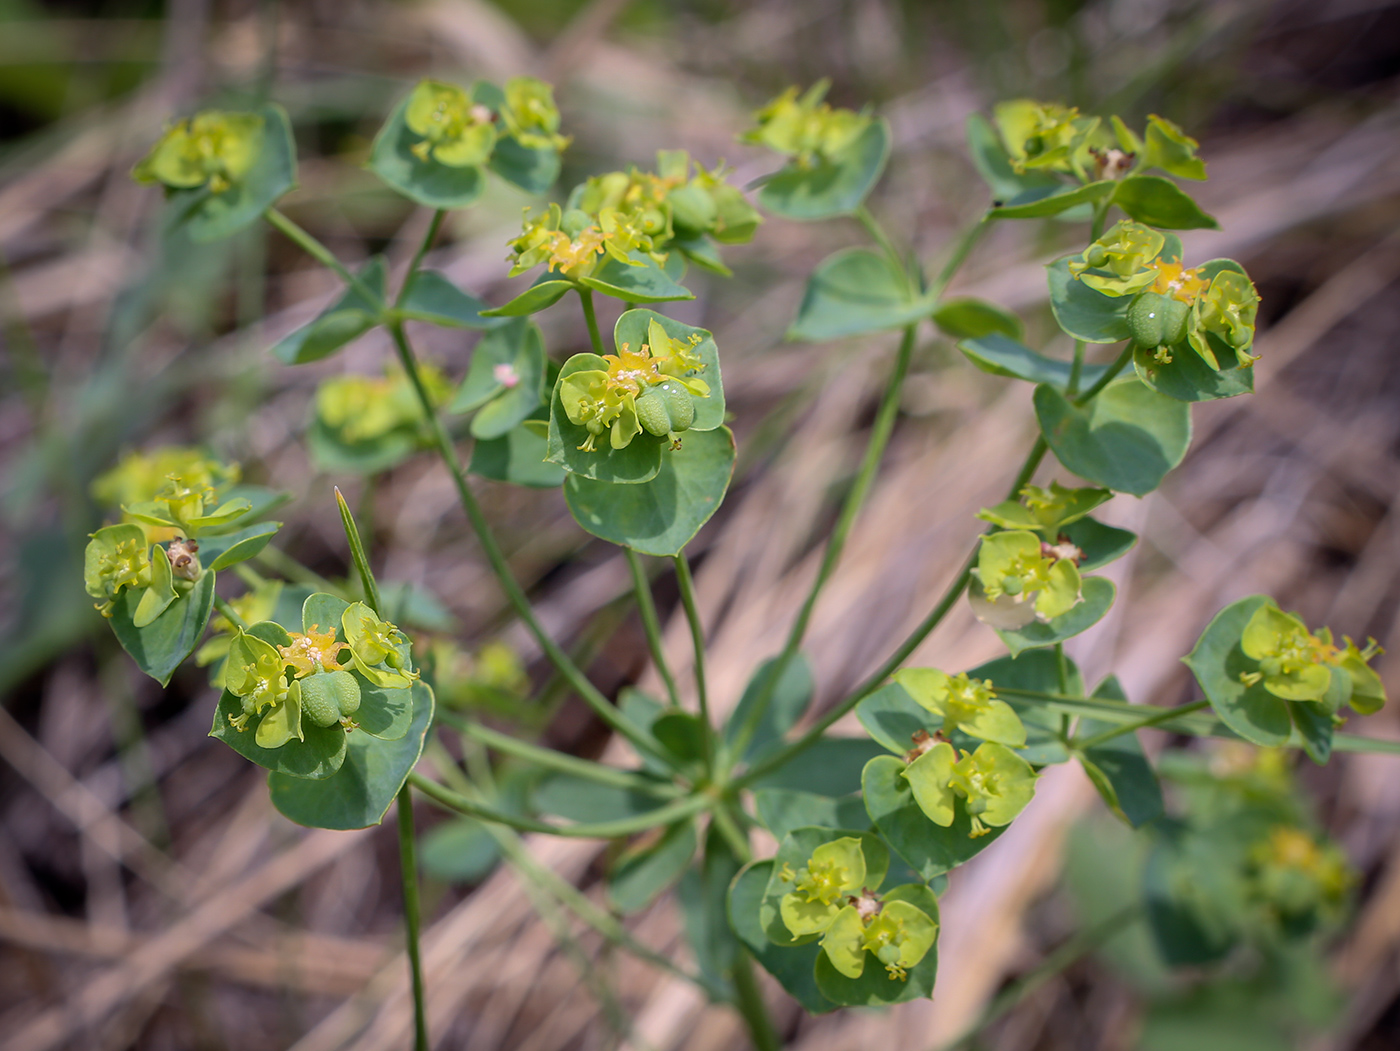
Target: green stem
[733,834]
[665,815]
[865,477]
[961,251]
[1076,947]
[1104,380]
[552,760]
[424,247]
[697,635]
[412,919]
[873,682]
[585,297]
[591,695]
[877,232]
[1076,370]
[314,248]
[749,1001]
[1062,675]
[1155,719]
[549,882]
[646,606]
[1100,214]
[230,614]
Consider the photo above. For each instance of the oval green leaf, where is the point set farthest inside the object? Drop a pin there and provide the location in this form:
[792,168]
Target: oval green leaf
[970,318]
[1217,661]
[660,516]
[344,321]
[517,457]
[359,795]
[209,216]
[1041,202]
[429,182]
[782,810]
[1127,438]
[640,876]
[830,188]
[1002,356]
[162,645]
[930,849]
[646,283]
[518,348]
[1098,597]
[547,290]
[227,549]
[1101,544]
[855,290]
[1157,201]
[431,297]
[1084,313]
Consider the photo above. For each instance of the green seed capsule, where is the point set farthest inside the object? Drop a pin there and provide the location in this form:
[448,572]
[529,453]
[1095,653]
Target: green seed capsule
[1156,320]
[665,409]
[327,697]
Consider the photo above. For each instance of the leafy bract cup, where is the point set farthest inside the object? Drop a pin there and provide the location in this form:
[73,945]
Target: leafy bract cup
[835,156]
[371,423]
[438,143]
[965,704]
[1209,310]
[627,234]
[611,415]
[1020,578]
[1266,674]
[222,169]
[994,783]
[825,886]
[291,698]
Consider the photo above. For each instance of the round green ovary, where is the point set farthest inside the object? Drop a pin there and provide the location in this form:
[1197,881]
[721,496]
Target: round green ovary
[665,409]
[1156,320]
[328,697]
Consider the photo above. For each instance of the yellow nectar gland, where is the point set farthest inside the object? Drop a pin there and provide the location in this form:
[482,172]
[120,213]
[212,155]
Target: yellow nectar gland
[313,650]
[1173,279]
[566,255]
[632,372]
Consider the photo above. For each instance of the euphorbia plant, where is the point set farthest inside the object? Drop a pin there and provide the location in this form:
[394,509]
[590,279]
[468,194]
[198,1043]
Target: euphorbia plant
[321,686]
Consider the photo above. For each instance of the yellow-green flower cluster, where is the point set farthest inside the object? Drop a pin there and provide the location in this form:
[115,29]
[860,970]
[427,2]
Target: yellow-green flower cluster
[965,704]
[1296,665]
[1298,876]
[309,676]
[829,898]
[1042,136]
[212,148]
[1020,578]
[806,128]
[116,558]
[994,782]
[618,213]
[459,132]
[650,388]
[251,607]
[1172,304]
[365,408]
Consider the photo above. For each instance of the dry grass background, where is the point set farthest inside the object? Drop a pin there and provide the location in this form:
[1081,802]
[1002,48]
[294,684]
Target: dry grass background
[149,895]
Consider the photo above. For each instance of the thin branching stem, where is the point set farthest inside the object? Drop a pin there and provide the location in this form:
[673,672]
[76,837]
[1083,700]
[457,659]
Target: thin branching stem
[412,915]
[230,614]
[585,298]
[651,624]
[697,635]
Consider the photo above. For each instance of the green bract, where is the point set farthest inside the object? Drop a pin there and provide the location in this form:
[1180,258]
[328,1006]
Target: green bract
[1299,666]
[1211,308]
[212,148]
[455,131]
[661,388]
[1172,150]
[897,933]
[371,423]
[140,476]
[377,648]
[995,782]
[806,128]
[189,505]
[834,872]
[1046,511]
[1020,578]
[1042,135]
[531,118]
[116,557]
[965,704]
[256,674]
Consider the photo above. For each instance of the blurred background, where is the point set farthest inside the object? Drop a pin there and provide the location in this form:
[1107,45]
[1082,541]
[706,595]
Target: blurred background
[149,895]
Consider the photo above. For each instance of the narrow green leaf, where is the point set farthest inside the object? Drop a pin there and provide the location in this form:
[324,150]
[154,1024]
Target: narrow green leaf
[227,549]
[431,297]
[1129,784]
[640,876]
[789,699]
[781,810]
[357,553]
[645,283]
[971,318]
[1003,356]
[1043,202]
[547,290]
[344,321]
